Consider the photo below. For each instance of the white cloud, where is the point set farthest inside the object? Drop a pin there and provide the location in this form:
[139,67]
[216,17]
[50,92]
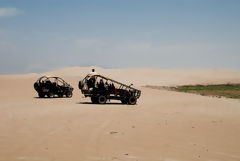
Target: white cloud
[91,43]
[37,67]
[135,48]
[86,43]
[9,12]
[150,54]
[100,45]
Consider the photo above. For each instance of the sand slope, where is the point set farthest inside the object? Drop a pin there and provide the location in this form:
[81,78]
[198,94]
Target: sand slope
[165,125]
[161,77]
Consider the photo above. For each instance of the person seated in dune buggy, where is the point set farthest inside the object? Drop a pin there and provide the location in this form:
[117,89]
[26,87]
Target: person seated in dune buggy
[52,87]
[100,88]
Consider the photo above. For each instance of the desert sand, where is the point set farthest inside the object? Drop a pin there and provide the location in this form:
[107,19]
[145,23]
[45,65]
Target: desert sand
[163,126]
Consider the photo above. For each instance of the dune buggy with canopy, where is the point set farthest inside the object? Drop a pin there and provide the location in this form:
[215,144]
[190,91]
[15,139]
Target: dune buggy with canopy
[100,89]
[52,87]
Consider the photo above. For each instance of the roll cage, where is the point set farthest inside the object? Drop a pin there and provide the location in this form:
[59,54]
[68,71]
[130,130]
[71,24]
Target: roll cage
[121,86]
[52,86]
[57,80]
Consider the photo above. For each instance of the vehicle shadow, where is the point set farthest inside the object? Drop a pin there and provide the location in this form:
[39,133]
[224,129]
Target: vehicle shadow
[49,97]
[108,103]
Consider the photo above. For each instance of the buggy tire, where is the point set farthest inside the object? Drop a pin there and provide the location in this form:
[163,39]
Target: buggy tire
[69,94]
[94,100]
[60,95]
[50,94]
[41,95]
[35,85]
[124,101]
[101,99]
[80,84]
[132,100]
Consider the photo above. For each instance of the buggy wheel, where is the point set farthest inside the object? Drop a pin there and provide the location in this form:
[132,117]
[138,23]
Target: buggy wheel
[124,101]
[60,95]
[101,99]
[50,95]
[80,84]
[41,95]
[69,94]
[35,85]
[94,100]
[132,100]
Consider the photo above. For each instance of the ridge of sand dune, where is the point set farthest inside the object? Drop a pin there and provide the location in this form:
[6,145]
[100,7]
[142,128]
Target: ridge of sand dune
[162,77]
[146,76]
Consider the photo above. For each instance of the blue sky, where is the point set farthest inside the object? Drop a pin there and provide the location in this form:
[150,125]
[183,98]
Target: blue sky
[37,36]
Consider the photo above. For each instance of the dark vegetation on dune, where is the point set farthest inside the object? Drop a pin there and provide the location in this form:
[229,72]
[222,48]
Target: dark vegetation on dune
[219,90]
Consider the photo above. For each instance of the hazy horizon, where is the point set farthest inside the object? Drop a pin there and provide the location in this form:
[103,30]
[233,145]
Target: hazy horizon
[39,36]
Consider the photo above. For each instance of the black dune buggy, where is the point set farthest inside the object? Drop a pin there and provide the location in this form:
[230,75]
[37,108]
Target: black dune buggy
[52,86]
[100,89]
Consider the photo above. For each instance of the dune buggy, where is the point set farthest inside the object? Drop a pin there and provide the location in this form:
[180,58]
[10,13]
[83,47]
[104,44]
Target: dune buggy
[100,89]
[52,87]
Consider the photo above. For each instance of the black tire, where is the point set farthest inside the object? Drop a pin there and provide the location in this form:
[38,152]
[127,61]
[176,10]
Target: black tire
[94,100]
[101,99]
[69,94]
[132,100]
[50,94]
[60,95]
[80,84]
[41,95]
[35,85]
[124,101]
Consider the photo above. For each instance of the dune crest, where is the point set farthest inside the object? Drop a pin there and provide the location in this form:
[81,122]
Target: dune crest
[146,76]
[149,76]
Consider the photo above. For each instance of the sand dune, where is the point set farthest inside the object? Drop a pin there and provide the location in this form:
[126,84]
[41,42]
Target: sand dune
[163,126]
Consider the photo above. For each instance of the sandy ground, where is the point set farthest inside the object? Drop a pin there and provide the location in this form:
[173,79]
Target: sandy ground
[163,126]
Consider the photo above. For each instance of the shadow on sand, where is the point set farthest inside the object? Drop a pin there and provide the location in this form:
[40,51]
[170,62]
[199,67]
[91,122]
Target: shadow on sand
[108,103]
[50,97]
